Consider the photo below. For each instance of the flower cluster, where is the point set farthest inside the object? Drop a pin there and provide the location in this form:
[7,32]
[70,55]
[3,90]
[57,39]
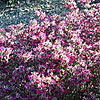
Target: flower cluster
[58,58]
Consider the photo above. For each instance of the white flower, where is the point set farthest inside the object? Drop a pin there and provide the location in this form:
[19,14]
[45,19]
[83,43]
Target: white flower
[43,36]
[64,57]
[53,23]
[5,52]
[56,55]
[12,42]
[62,23]
[47,44]
[27,55]
[34,37]
[80,50]
[8,34]
[20,25]
[89,46]
[97,43]
[61,32]
[38,13]
[59,48]
[87,5]
[54,46]
[48,80]
[56,77]
[34,22]
[82,63]
[74,35]
[73,39]
[39,48]
[50,36]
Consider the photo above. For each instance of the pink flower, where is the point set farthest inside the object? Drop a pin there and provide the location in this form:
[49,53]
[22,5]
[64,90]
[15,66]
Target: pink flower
[27,55]
[57,69]
[2,29]
[11,27]
[98,5]
[69,67]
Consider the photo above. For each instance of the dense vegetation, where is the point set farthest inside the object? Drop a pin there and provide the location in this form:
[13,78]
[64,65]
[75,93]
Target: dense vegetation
[58,59]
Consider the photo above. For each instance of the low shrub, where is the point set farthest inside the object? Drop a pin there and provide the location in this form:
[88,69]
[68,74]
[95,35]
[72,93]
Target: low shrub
[57,59]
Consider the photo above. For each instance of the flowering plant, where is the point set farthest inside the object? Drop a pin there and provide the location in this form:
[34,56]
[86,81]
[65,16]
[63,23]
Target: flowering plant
[56,59]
